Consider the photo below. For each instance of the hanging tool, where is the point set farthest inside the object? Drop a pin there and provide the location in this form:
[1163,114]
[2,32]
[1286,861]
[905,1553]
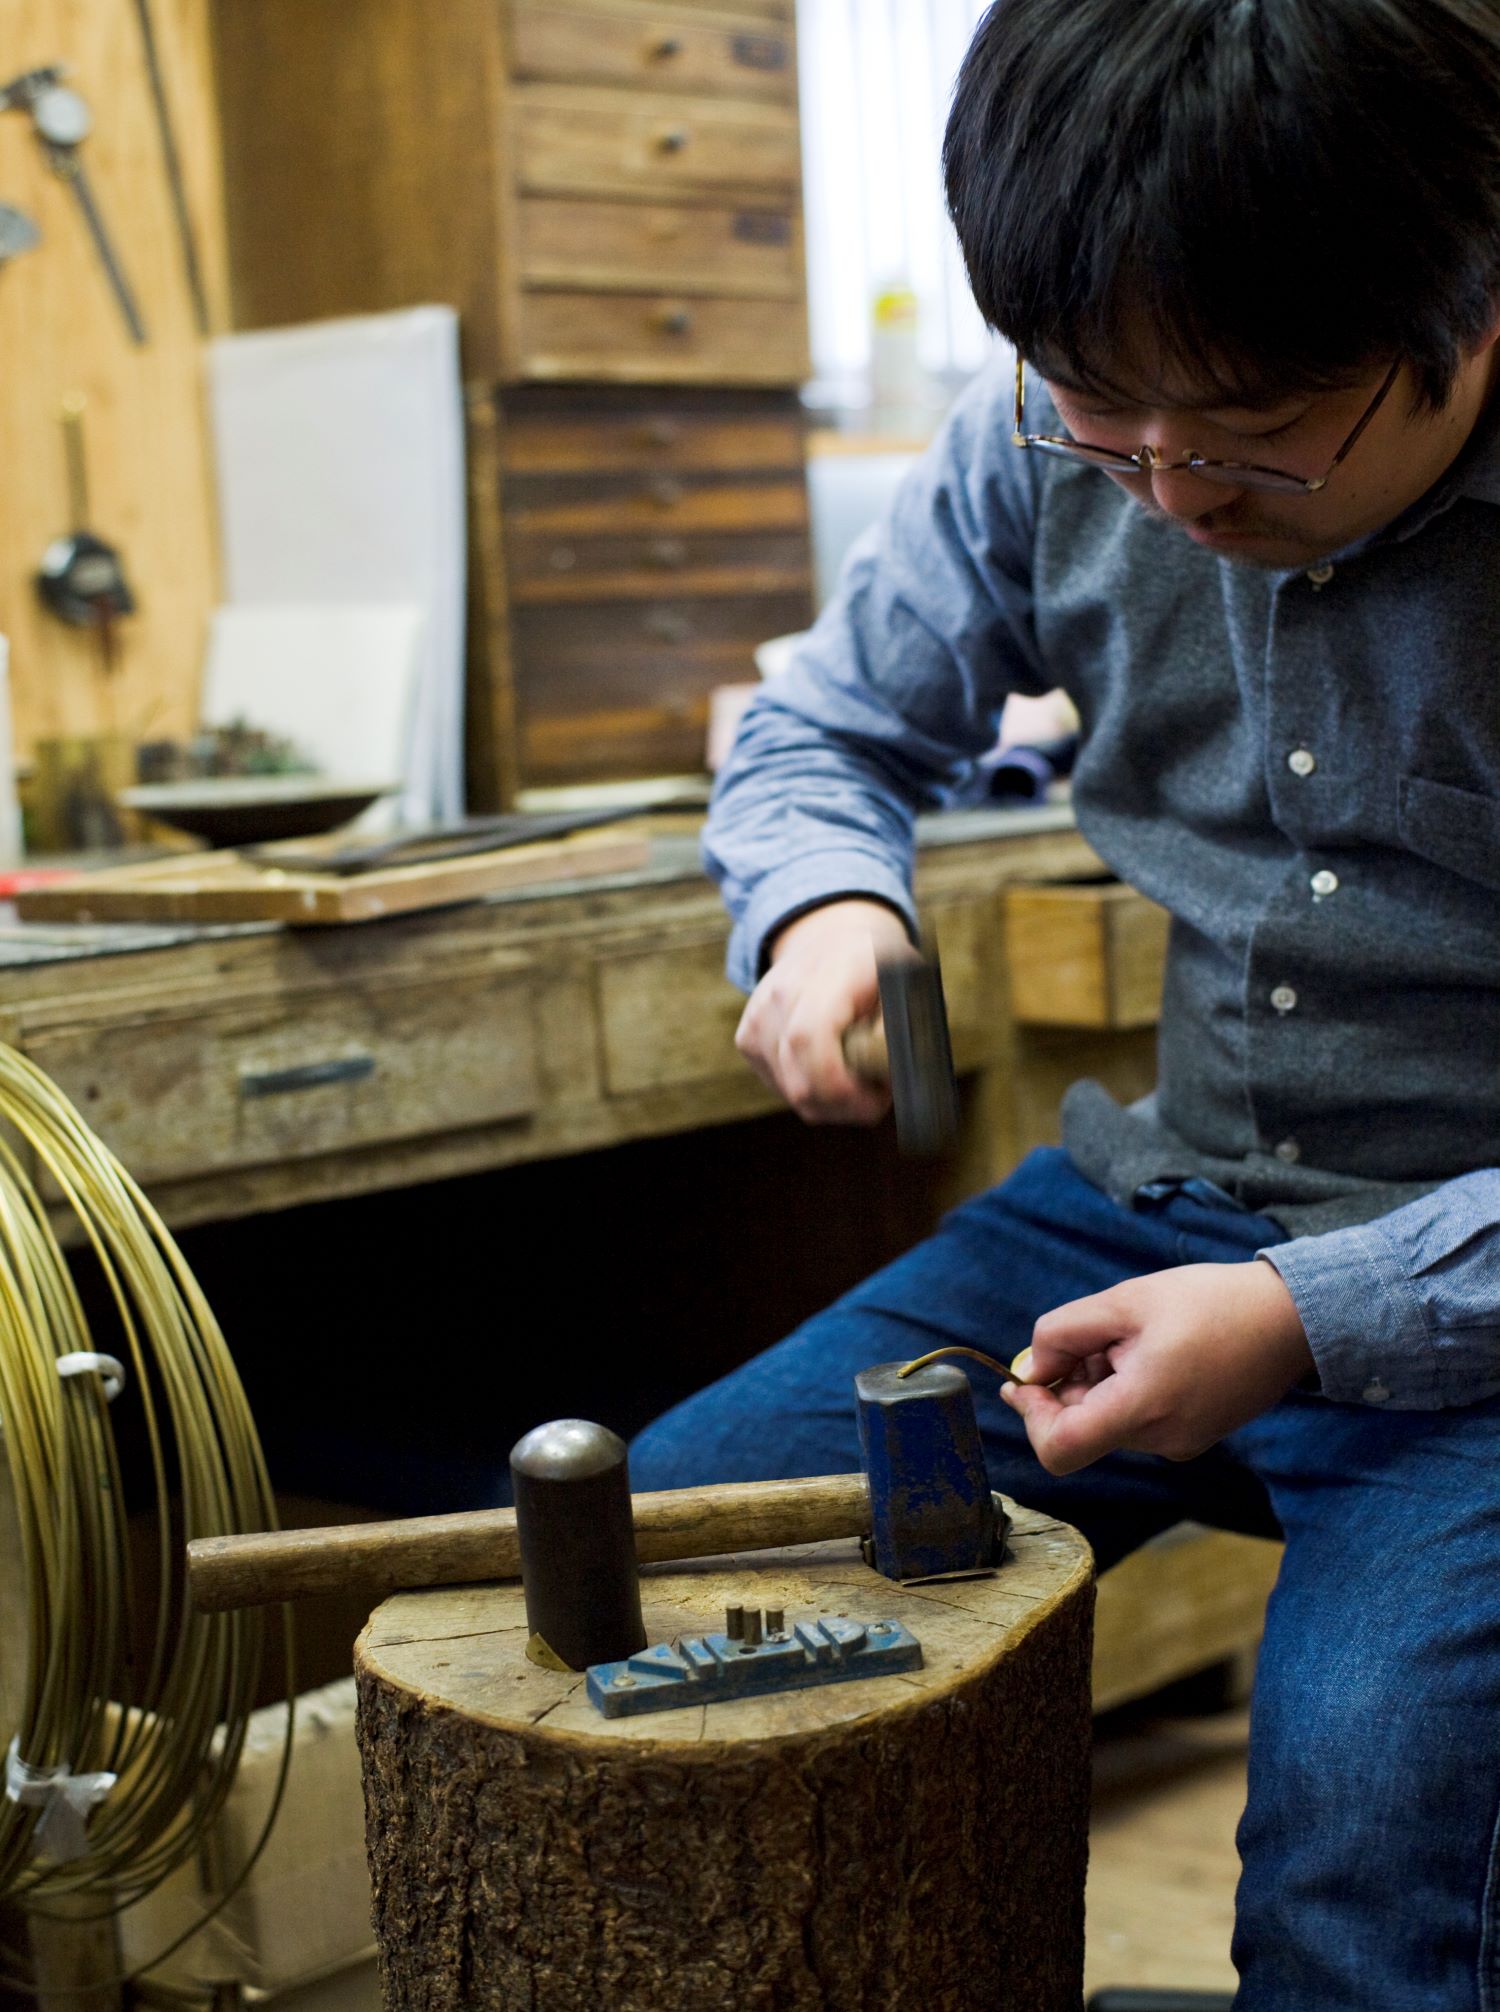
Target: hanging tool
[907,1046]
[172,161]
[944,1522]
[81,578]
[17,233]
[63,121]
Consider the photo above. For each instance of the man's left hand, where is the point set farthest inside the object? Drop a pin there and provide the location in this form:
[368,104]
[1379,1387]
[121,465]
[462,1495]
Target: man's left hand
[1165,1364]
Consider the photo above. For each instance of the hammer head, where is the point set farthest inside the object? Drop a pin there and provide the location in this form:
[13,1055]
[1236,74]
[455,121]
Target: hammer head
[932,1513]
[924,1093]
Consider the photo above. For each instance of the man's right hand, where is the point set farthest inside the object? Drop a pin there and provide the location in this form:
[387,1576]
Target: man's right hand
[821,980]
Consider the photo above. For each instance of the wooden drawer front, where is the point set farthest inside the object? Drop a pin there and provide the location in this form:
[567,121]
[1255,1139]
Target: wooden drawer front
[655,338]
[623,689]
[294,1077]
[668,1018]
[761,10]
[653,440]
[747,253]
[614,743]
[659,48]
[593,143]
[547,569]
[1085,956]
[661,505]
[613,644]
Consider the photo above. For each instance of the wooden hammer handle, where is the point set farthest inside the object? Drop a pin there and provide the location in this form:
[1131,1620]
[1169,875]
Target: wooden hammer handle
[865,1050]
[479,1544]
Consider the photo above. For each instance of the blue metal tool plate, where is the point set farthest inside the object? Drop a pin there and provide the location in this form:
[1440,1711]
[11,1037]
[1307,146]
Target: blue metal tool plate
[703,1669]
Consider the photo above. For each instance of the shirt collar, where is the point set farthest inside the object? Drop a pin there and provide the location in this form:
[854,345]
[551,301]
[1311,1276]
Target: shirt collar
[1474,477]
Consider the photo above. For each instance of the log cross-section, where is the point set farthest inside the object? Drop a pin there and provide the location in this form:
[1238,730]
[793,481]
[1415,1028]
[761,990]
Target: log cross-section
[911,1840]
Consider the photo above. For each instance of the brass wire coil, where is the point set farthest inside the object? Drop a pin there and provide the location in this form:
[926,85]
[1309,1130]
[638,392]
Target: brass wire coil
[170,1722]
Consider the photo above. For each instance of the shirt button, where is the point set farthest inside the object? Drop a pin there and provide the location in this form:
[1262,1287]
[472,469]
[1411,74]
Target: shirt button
[1324,884]
[1320,575]
[1301,761]
[1375,1393]
[1289,1151]
[1283,999]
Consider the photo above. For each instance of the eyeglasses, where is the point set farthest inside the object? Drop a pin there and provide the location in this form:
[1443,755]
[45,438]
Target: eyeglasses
[1236,474]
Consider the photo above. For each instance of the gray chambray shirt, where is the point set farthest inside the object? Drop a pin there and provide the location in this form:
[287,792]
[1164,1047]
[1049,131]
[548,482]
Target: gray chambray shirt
[1303,768]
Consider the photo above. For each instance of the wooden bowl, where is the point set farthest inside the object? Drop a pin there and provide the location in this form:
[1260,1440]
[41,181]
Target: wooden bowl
[234,810]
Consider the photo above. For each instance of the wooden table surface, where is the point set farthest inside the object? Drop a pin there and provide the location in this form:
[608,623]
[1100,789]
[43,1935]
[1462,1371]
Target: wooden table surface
[242,1069]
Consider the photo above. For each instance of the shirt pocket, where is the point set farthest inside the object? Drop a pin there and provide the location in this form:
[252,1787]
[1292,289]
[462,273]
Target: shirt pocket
[1456,828]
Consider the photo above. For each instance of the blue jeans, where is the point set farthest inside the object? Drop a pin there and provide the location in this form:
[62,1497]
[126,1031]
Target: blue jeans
[1371,1874]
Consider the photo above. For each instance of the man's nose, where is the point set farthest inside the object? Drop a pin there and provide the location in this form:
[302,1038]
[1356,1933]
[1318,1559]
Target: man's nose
[1177,492]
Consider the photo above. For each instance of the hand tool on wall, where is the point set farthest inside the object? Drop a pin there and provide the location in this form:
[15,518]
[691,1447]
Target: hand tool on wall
[907,1046]
[63,121]
[17,233]
[926,1506]
[172,161]
[81,578]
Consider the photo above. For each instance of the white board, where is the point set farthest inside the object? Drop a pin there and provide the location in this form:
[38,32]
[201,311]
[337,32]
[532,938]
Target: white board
[340,449]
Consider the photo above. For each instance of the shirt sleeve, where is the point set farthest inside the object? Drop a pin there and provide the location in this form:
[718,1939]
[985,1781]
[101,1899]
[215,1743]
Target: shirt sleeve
[894,695]
[1405,1311]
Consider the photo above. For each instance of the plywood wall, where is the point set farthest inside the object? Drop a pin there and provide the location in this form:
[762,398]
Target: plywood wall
[149,470]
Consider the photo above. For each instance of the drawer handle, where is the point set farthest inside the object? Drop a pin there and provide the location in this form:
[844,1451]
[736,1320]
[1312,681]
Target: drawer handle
[753,227]
[668,625]
[668,553]
[666,48]
[661,432]
[759,52]
[673,140]
[666,491]
[306,1075]
[674,321]
[562,558]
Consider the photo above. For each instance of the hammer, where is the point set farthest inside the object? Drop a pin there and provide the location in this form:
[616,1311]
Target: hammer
[923,1502]
[906,1045]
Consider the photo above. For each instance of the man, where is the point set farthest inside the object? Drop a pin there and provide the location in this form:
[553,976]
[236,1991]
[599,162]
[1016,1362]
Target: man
[1250,519]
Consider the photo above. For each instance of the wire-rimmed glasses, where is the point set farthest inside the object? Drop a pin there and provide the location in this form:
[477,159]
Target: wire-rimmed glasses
[1147,461]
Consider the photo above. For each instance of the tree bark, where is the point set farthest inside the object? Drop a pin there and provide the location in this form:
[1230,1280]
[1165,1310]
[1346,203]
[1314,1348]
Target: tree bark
[905,1841]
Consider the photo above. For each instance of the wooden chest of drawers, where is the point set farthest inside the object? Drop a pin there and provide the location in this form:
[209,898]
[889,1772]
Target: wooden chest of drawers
[606,189]
[610,193]
[630,551]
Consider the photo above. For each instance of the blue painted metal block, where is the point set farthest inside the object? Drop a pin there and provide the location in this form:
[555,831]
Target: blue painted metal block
[931,1511]
[703,1669]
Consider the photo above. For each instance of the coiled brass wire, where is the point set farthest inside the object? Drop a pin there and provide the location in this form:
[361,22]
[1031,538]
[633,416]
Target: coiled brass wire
[169,1721]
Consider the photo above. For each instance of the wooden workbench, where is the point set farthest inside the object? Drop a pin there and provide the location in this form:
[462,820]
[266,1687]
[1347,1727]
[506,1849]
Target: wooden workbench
[244,1069]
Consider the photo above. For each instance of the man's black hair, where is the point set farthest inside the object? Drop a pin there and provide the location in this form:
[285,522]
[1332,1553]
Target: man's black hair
[1280,195]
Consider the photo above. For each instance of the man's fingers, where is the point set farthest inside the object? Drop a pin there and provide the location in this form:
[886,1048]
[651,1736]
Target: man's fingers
[1068,1431]
[807,1066]
[1082,1330]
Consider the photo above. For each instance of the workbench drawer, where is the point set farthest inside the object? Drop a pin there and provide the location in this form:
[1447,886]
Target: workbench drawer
[603,142]
[673,339]
[655,47]
[755,253]
[1085,955]
[289,1077]
[667,1018]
